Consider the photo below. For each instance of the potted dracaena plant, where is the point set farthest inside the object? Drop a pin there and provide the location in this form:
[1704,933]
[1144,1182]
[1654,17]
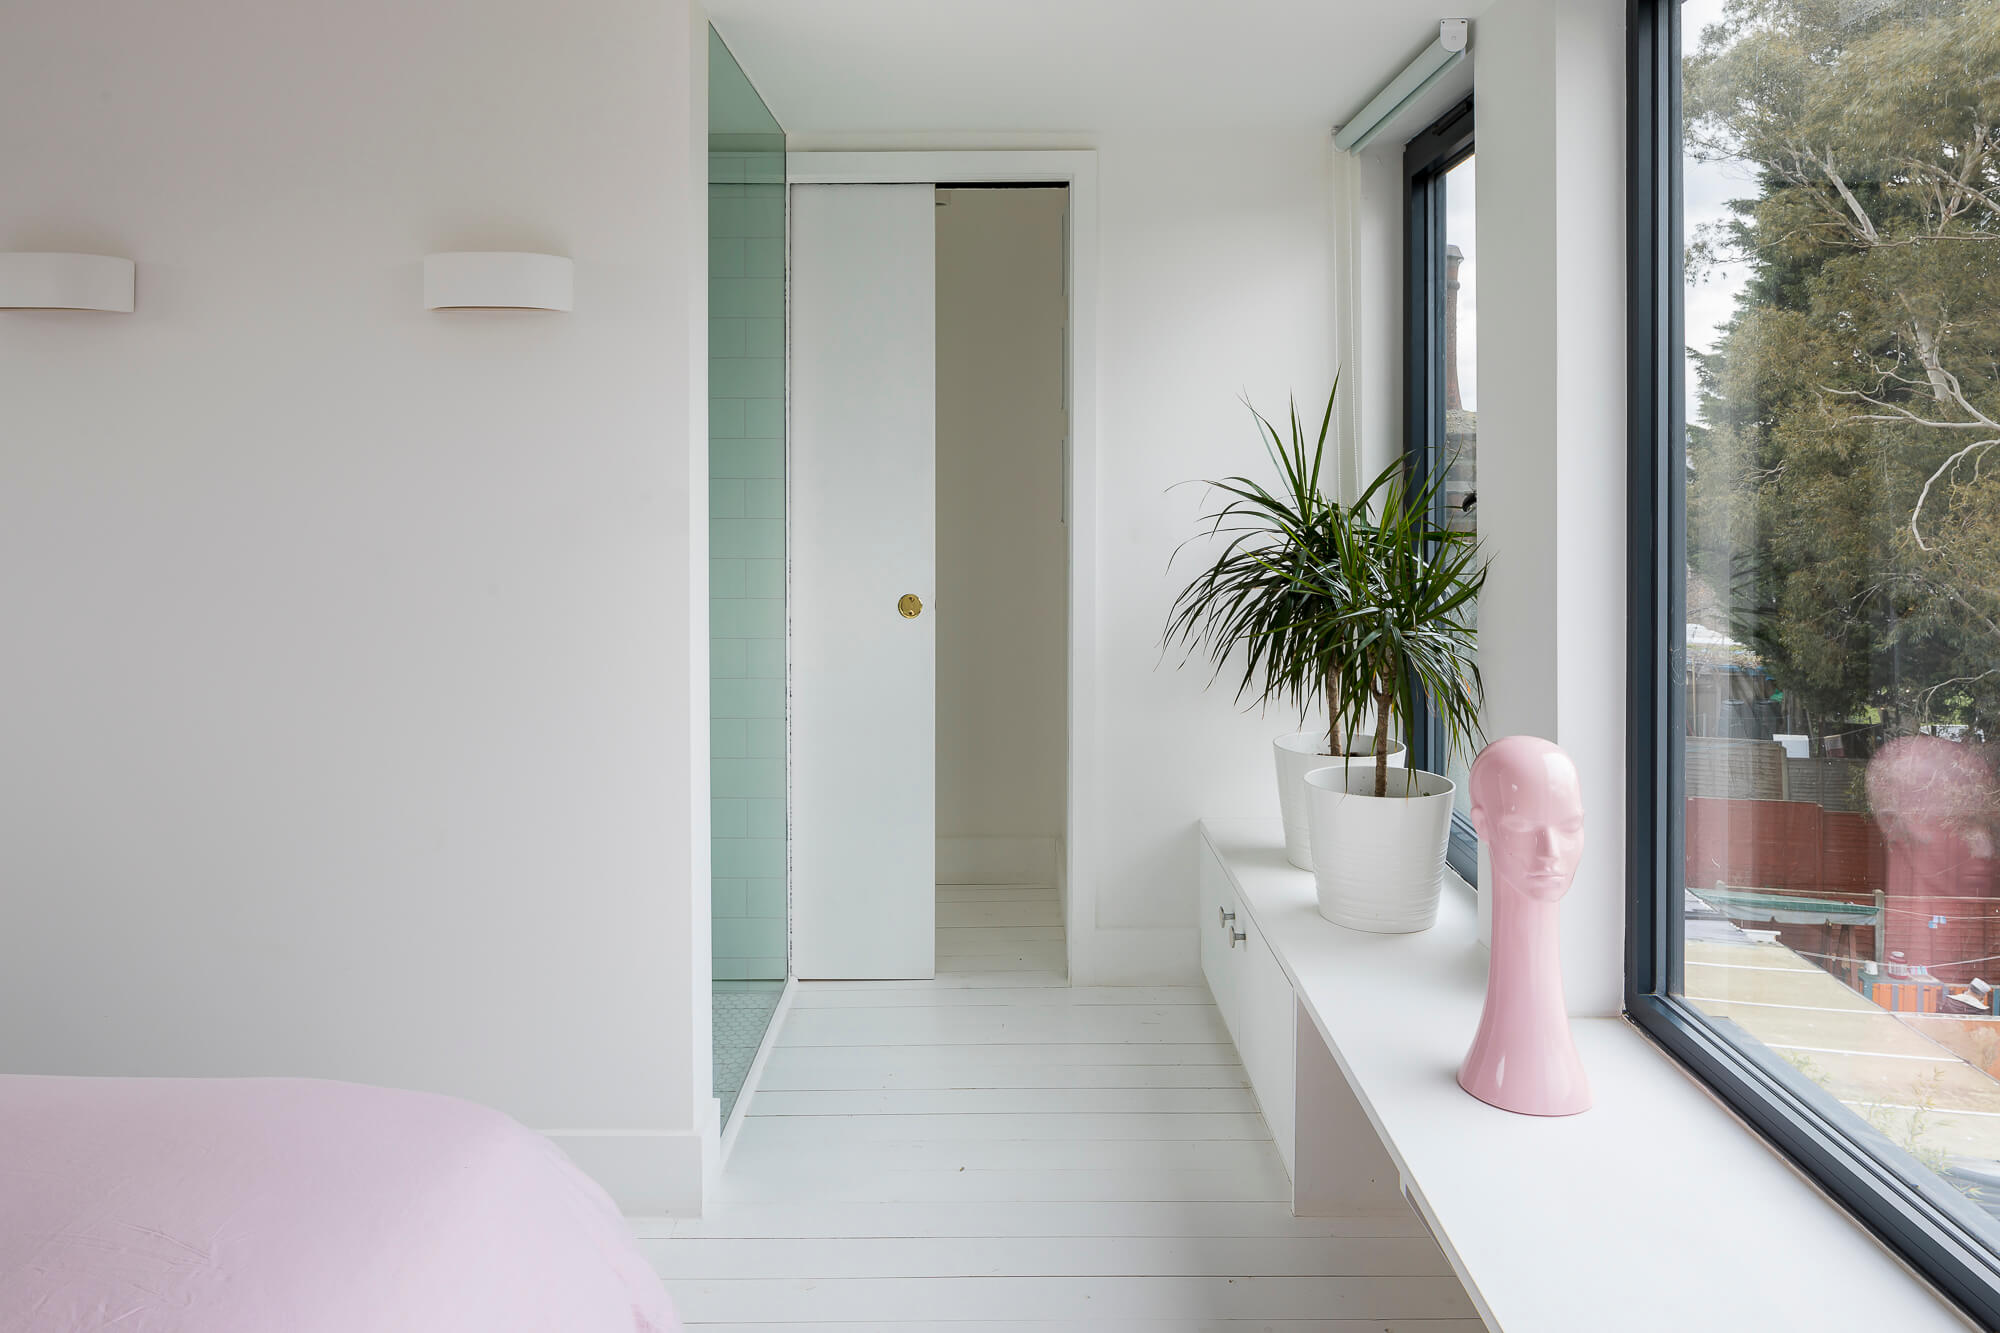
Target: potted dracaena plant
[1272,592]
[1402,589]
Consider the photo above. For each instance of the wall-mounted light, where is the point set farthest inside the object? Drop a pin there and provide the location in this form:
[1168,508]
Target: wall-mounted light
[34,280]
[498,279]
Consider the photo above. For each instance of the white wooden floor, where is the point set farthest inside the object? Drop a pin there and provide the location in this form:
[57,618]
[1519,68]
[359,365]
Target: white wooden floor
[996,1150]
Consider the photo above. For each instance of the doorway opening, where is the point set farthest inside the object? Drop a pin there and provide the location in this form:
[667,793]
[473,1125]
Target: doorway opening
[930,541]
[1002,578]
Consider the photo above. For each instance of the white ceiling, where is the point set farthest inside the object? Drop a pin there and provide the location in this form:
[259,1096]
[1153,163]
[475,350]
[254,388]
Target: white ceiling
[914,66]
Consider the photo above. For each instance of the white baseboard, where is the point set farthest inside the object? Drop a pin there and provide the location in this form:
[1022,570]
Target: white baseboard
[647,1173]
[1134,956]
[996,860]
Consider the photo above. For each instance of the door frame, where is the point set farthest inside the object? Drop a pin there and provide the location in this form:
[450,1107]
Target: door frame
[1089,961]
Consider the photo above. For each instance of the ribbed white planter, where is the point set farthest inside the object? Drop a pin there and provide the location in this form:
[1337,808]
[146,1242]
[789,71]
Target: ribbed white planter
[1299,754]
[1390,865]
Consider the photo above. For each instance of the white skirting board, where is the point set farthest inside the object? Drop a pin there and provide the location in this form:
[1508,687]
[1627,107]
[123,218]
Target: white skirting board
[1029,860]
[648,1173]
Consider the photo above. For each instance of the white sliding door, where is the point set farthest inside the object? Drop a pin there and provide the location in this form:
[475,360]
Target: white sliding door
[864,449]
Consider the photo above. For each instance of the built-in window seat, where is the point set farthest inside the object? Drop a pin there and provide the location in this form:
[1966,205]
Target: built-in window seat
[1655,1210]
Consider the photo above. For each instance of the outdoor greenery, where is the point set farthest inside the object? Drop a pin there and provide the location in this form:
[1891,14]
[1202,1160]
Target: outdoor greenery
[1841,503]
[1365,605]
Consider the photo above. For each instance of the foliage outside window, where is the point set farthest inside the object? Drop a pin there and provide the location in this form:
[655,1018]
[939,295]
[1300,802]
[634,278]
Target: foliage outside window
[1831,793]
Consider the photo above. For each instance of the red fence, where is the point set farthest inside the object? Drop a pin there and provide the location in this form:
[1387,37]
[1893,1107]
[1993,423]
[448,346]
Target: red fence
[1943,895]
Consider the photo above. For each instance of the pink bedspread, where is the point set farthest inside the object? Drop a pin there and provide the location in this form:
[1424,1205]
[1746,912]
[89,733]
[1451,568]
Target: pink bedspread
[297,1206]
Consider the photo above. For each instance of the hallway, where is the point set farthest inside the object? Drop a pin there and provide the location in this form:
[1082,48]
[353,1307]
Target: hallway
[996,1150]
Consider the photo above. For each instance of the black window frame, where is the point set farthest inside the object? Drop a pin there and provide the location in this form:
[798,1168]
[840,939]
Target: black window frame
[1447,142]
[1795,1115]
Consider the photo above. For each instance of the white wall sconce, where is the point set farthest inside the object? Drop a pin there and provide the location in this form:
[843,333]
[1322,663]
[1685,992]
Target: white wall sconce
[34,280]
[498,279]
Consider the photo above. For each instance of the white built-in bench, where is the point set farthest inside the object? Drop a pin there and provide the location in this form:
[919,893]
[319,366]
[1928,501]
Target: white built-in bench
[1655,1210]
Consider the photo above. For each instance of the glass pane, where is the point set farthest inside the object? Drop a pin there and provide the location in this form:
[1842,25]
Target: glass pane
[1461,387]
[1842,906]
[746,529]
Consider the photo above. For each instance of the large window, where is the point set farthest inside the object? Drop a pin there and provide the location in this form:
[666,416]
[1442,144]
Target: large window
[1441,373]
[1816,589]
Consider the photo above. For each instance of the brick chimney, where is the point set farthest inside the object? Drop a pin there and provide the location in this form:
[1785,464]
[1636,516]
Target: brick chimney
[1453,257]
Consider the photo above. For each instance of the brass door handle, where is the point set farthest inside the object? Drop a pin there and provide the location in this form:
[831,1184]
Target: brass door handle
[910,606]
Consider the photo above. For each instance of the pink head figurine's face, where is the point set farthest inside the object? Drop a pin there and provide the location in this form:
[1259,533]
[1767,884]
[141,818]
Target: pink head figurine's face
[1527,805]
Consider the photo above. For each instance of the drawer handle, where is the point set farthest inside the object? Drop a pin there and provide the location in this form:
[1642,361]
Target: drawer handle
[1226,915]
[1236,937]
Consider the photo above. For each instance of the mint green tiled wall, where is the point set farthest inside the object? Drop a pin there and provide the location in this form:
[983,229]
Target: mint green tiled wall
[746,536]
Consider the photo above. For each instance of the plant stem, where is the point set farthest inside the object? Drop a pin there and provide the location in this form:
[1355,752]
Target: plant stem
[1382,741]
[1335,746]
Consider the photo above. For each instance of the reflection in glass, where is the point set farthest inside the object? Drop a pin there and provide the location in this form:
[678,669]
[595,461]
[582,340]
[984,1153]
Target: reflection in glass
[746,372]
[1460,494]
[1843,580]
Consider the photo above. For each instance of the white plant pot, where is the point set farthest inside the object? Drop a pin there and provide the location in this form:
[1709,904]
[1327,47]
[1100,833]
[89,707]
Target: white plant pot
[1299,754]
[1390,865]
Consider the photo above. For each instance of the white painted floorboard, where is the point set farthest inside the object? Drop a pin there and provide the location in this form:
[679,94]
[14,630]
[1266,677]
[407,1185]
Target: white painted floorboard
[997,1152]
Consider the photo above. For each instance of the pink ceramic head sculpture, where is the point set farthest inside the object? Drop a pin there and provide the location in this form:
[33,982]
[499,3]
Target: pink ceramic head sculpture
[1936,805]
[1527,805]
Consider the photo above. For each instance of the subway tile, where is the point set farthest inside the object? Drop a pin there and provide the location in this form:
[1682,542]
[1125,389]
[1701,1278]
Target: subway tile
[764,217]
[764,657]
[751,537]
[752,778]
[729,215]
[726,579]
[725,189]
[764,818]
[763,337]
[750,858]
[725,422]
[730,337]
[728,731]
[746,297]
[763,497]
[764,578]
[747,377]
[728,657]
[750,969]
[764,257]
[748,937]
[747,458]
[765,898]
[724,167]
[726,256]
[729,819]
[758,617]
[736,618]
[728,897]
[765,735]
[726,498]
[764,419]
[737,697]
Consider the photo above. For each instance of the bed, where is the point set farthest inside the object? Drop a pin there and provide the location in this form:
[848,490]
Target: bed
[299,1206]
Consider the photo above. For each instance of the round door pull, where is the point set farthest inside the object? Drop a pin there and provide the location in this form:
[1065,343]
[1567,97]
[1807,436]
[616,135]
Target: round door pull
[910,606]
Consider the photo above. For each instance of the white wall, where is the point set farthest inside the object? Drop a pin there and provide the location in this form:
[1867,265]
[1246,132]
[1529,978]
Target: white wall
[1214,285]
[1002,550]
[1552,429]
[357,727]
